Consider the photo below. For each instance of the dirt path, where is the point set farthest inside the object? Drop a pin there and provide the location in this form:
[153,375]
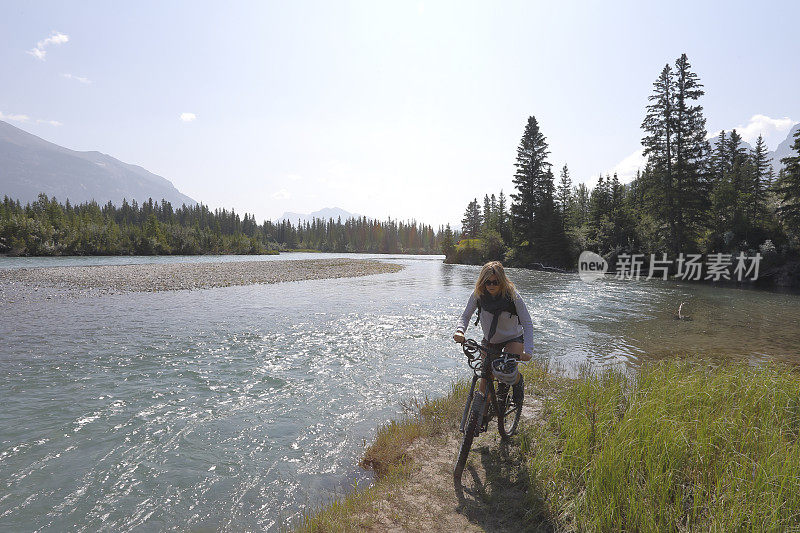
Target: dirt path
[495,484]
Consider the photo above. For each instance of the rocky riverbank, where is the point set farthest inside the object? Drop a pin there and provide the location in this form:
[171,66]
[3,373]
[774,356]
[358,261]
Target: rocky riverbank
[110,279]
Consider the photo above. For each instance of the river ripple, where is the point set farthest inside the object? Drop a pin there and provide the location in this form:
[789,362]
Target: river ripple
[235,408]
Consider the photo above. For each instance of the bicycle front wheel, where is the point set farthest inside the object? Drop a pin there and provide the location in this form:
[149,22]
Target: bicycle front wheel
[475,415]
[508,417]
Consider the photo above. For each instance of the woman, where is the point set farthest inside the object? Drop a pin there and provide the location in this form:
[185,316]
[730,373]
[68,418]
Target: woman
[504,318]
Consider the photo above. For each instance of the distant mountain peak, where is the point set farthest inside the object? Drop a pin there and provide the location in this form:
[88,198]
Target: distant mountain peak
[784,149]
[32,165]
[325,213]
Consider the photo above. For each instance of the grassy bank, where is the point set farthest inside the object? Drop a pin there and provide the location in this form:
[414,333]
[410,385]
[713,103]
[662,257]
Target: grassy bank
[678,446]
[675,446]
[388,456]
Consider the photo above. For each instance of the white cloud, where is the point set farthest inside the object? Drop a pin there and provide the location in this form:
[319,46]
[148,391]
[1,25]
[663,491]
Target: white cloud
[77,78]
[17,117]
[770,128]
[282,194]
[626,169]
[294,177]
[38,54]
[55,38]
[14,117]
[188,117]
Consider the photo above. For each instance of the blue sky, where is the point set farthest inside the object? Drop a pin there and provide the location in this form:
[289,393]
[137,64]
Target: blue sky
[402,109]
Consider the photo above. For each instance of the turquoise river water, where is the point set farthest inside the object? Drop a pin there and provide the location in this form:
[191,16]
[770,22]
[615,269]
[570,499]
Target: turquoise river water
[236,408]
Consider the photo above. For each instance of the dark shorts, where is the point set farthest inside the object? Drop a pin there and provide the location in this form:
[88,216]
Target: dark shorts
[502,345]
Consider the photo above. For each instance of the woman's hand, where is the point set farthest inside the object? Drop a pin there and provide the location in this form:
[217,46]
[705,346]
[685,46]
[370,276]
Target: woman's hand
[458,337]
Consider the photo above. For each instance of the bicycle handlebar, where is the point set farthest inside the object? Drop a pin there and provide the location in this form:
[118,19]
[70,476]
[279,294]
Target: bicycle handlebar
[471,347]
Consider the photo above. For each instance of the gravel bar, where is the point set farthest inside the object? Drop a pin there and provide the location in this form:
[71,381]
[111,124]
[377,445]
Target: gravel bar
[180,276]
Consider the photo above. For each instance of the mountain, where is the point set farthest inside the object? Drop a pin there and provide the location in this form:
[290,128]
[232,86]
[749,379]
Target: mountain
[784,149]
[713,142]
[30,165]
[325,214]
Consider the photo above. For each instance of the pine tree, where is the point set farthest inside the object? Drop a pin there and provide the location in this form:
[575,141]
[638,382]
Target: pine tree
[658,125]
[739,179]
[691,154]
[503,225]
[549,242]
[761,180]
[530,180]
[677,152]
[565,200]
[448,246]
[487,213]
[789,188]
[581,205]
[471,223]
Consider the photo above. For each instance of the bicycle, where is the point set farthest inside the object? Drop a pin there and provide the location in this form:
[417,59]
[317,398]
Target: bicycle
[481,408]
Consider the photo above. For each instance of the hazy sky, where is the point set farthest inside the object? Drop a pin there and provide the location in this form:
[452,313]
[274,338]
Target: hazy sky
[402,109]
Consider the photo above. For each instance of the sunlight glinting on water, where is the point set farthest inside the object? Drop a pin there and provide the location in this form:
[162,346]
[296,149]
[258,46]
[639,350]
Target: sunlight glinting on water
[236,408]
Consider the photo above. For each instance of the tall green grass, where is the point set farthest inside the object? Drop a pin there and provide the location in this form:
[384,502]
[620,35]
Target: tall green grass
[677,446]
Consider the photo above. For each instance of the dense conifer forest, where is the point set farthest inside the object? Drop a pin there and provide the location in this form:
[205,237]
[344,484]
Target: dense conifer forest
[47,227]
[692,197]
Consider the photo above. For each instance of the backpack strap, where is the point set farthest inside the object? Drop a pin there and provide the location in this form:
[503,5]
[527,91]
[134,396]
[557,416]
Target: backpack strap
[496,315]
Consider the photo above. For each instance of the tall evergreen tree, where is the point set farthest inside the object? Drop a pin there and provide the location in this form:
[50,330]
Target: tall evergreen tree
[677,150]
[565,199]
[691,154]
[530,180]
[503,225]
[658,126]
[487,213]
[581,205]
[471,223]
[448,245]
[761,180]
[549,242]
[789,188]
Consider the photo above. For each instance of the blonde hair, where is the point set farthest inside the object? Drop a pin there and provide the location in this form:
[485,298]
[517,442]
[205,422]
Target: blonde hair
[494,268]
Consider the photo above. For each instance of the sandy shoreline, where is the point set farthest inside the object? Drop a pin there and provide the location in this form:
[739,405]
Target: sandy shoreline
[181,276]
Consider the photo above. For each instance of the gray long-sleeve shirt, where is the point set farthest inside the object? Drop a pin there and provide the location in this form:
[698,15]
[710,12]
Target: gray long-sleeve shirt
[508,326]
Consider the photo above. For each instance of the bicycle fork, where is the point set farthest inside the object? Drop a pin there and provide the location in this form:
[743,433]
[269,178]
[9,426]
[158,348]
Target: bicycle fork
[470,397]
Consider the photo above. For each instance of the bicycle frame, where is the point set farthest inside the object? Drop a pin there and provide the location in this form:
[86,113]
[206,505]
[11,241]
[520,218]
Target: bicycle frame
[478,410]
[485,374]
[489,394]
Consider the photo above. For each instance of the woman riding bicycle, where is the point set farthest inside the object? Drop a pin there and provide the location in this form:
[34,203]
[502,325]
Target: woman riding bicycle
[504,318]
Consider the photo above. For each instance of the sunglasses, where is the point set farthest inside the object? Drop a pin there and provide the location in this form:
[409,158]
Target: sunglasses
[492,282]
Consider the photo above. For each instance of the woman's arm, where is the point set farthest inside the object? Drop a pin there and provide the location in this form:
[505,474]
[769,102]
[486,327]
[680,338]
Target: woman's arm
[527,323]
[463,321]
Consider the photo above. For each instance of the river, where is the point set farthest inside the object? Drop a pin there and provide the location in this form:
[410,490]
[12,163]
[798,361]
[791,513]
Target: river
[236,408]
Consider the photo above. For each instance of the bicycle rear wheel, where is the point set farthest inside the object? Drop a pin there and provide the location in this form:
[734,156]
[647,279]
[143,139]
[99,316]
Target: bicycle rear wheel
[475,415]
[508,417]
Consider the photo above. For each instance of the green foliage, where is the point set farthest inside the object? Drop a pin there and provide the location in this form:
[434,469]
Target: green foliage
[491,246]
[789,189]
[472,221]
[678,446]
[530,180]
[448,246]
[46,227]
[467,252]
[676,147]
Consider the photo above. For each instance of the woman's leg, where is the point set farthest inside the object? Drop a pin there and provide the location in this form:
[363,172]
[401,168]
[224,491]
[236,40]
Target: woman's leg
[516,348]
